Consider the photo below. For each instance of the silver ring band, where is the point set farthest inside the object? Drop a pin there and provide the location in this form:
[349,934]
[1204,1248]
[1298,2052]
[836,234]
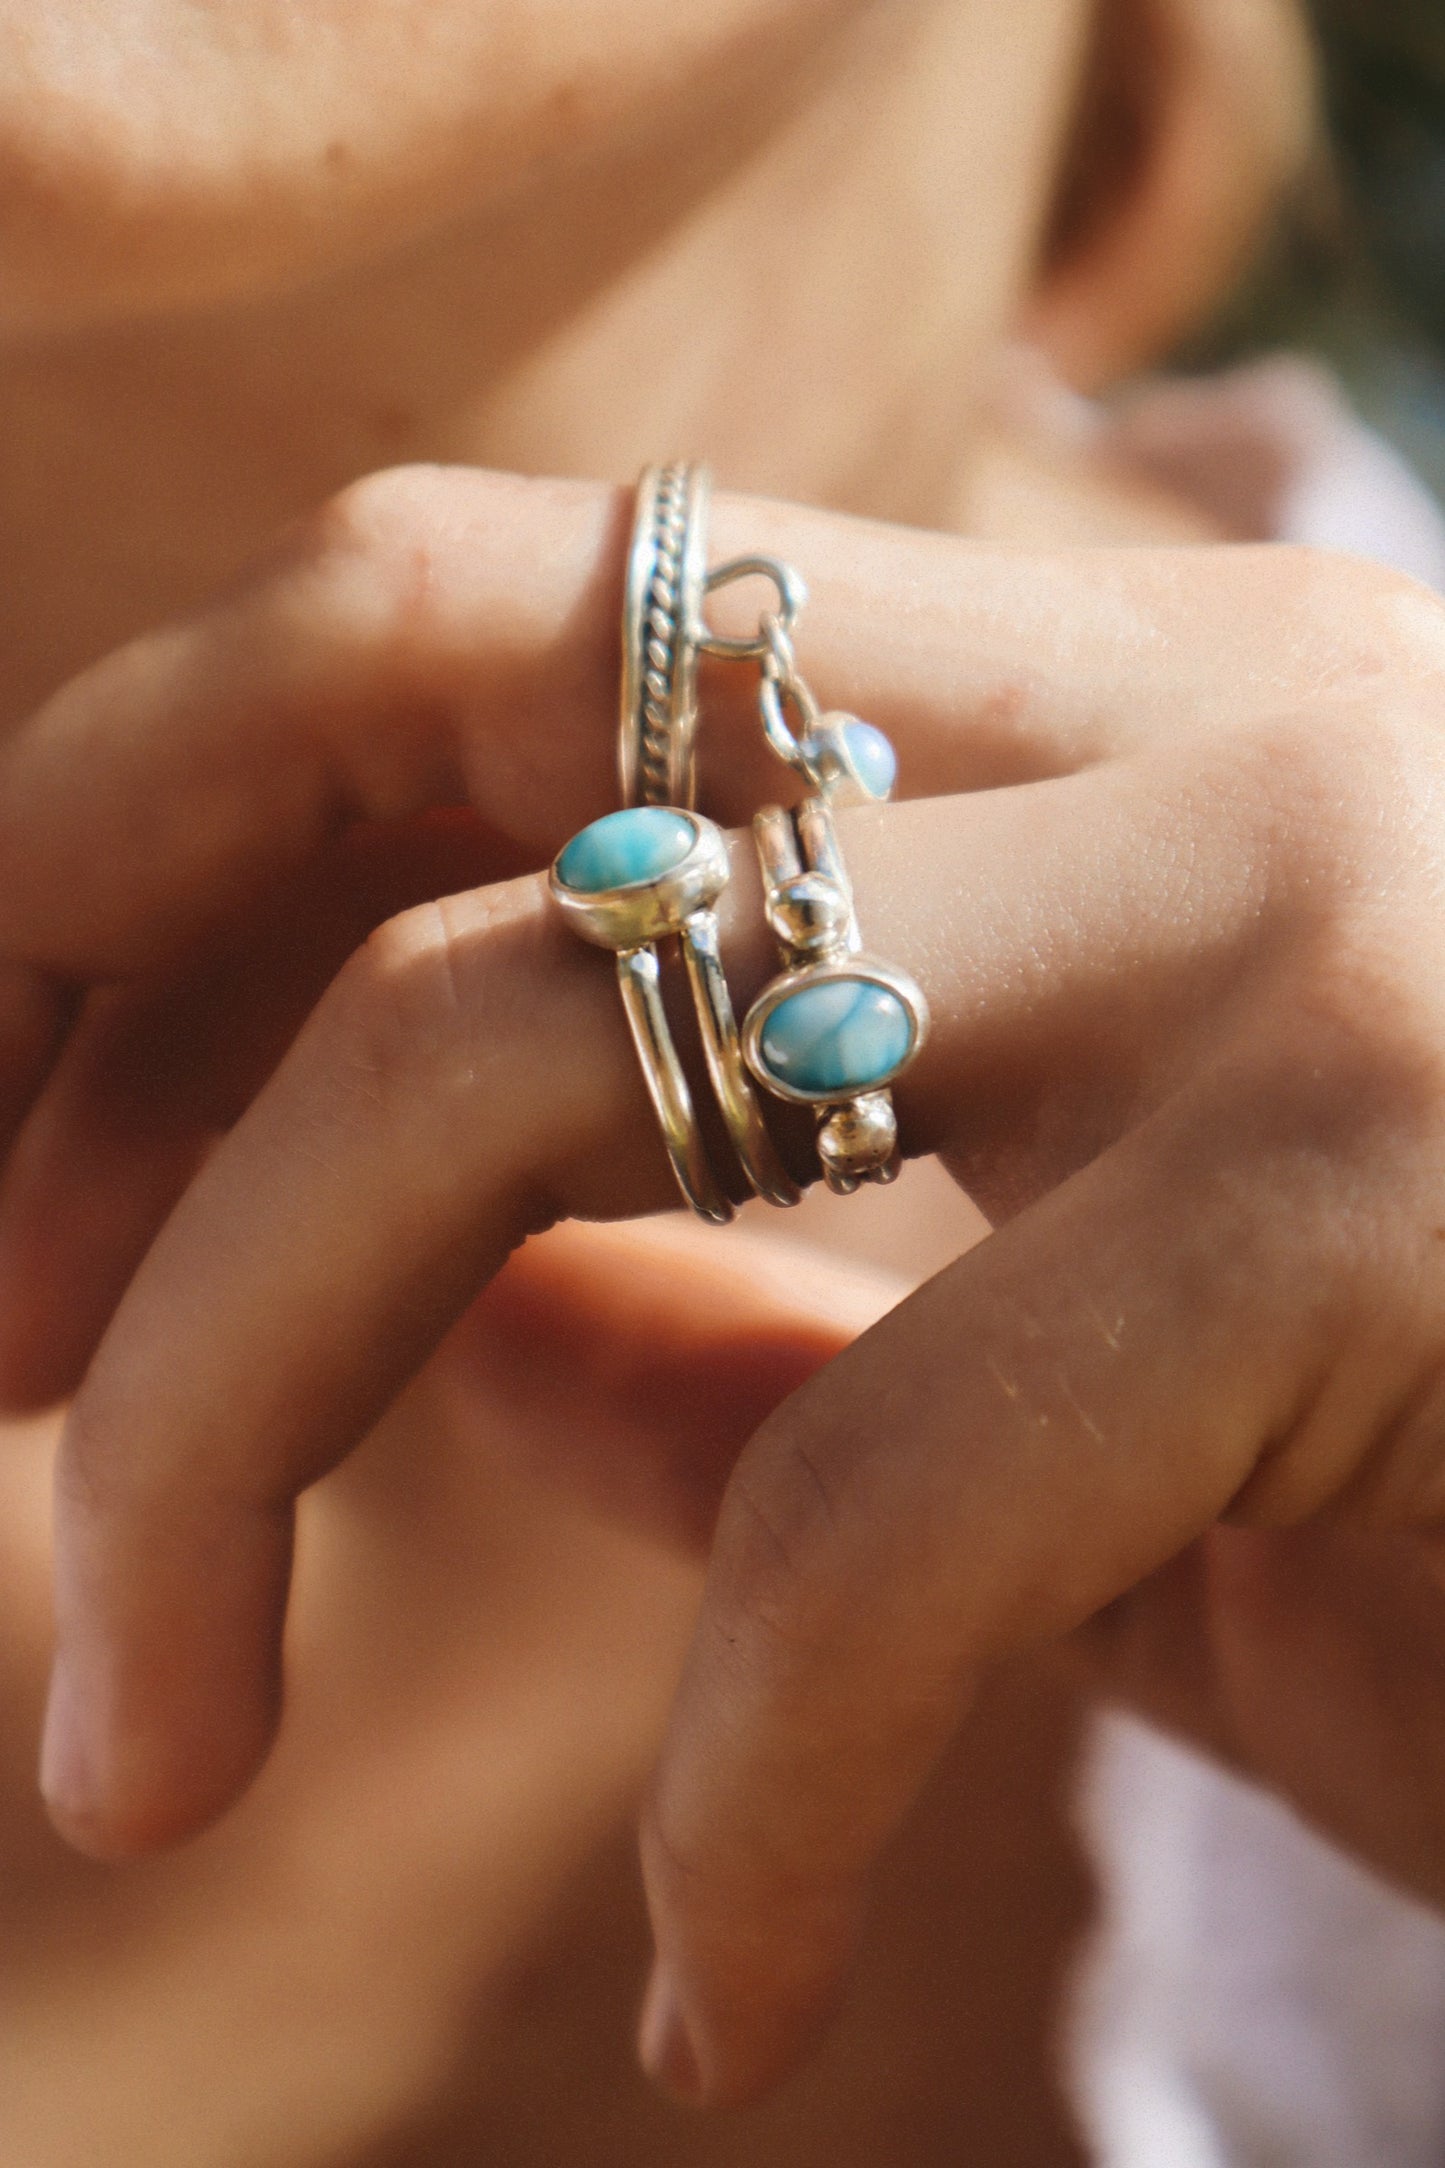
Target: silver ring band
[835,1028]
[661,608]
[625,883]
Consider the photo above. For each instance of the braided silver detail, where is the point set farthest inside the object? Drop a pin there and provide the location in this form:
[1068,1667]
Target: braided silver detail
[668,520]
[660,616]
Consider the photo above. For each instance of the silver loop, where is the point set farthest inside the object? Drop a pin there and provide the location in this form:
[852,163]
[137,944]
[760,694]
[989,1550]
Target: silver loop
[781,660]
[792,595]
[781,683]
[785,741]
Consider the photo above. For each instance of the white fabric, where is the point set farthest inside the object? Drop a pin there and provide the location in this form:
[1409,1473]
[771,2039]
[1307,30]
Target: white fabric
[1251,1998]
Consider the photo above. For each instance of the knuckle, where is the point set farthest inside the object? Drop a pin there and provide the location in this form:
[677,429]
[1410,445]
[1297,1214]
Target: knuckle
[678,1862]
[1371,1022]
[373,559]
[1336,1121]
[1350,795]
[397,1007]
[780,1554]
[448,1008]
[1366,623]
[730,1891]
[392,573]
[398,600]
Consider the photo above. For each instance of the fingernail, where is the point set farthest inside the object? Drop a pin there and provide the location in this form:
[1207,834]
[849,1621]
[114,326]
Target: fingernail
[664,2046]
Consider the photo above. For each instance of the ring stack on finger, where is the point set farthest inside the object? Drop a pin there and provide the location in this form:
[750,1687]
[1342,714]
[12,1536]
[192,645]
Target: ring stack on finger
[656,868]
[837,1026]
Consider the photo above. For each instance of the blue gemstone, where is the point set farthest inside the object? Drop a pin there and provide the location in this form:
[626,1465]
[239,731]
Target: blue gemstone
[874,761]
[622,849]
[837,1035]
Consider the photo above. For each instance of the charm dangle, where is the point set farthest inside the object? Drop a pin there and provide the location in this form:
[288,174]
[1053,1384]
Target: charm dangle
[838,1026]
[844,760]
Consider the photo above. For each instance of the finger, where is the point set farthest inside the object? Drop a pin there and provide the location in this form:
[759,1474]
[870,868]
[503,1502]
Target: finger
[1044,1423]
[151,1075]
[443,636]
[408,1141]
[466,1080]
[35,1012]
[629,1365]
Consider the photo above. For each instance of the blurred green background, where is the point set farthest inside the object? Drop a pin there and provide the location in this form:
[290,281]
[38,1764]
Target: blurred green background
[1355,271]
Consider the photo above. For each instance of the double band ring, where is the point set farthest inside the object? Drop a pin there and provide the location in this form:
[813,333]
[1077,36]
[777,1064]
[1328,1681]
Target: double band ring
[625,883]
[633,879]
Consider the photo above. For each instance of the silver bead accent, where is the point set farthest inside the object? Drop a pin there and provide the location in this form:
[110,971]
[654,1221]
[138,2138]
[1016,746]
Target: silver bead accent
[859,1143]
[810,912]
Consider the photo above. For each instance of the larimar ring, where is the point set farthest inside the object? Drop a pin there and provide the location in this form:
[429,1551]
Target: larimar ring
[626,882]
[837,1026]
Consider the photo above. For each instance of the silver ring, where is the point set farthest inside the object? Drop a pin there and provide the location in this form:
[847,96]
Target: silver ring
[837,1026]
[661,605]
[625,883]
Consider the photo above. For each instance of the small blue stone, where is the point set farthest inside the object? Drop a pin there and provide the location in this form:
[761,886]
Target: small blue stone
[838,1035]
[639,844]
[874,761]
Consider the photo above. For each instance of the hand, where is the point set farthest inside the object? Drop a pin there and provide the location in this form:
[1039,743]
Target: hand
[476,1676]
[1188,1045]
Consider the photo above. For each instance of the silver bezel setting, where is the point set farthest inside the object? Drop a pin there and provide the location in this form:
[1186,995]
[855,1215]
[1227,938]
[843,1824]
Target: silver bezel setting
[830,762]
[640,911]
[853,967]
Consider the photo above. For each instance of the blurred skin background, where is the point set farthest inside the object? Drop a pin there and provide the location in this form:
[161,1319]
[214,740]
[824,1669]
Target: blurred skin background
[800,240]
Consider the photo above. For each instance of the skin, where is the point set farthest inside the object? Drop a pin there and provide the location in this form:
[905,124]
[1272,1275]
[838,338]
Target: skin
[148,456]
[1196,1049]
[775,202]
[1213,1076]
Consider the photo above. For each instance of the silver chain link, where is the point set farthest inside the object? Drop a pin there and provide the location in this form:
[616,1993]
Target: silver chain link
[781,684]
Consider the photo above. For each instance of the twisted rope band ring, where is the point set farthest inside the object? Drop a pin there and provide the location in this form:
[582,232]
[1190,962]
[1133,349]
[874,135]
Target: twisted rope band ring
[661,610]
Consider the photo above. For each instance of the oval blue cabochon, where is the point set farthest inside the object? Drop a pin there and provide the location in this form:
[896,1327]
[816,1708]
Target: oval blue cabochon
[837,1035]
[642,843]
